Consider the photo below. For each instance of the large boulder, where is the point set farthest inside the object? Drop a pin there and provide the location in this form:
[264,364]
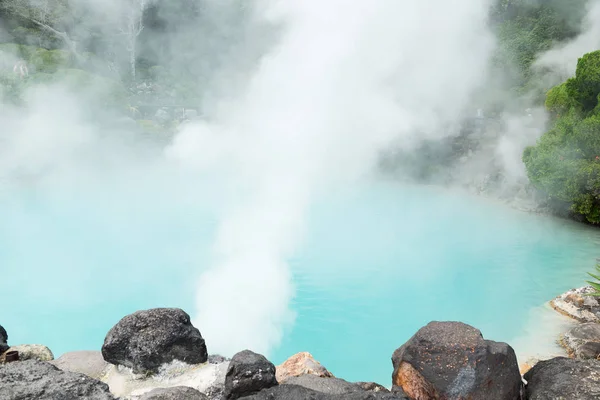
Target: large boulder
[174,393]
[248,373]
[89,363]
[451,360]
[295,392]
[583,341]
[3,340]
[33,352]
[563,378]
[39,380]
[145,340]
[301,364]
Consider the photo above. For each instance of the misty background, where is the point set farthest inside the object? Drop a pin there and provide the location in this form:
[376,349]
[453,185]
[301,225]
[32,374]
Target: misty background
[260,107]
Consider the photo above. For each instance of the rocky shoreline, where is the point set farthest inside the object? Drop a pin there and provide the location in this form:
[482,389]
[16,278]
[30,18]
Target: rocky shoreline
[158,354]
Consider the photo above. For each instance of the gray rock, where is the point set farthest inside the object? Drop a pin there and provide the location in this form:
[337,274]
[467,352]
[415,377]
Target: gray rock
[33,352]
[372,387]
[147,339]
[39,380]
[452,360]
[162,117]
[563,378]
[323,385]
[89,363]
[3,340]
[295,392]
[248,373]
[582,340]
[174,393]
[217,359]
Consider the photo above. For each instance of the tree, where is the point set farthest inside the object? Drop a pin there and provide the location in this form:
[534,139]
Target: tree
[47,15]
[131,25]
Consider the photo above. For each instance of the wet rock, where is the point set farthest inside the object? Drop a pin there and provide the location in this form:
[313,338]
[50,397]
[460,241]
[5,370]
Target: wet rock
[174,393]
[89,363]
[563,378]
[40,380]
[295,392]
[452,360]
[248,373]
[3,340]
[577,304]
[147,339]
[323,385]
[583,341]
[301,364]
[33,352]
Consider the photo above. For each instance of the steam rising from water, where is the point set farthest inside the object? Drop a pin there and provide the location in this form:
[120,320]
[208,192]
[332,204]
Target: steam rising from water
[344,80]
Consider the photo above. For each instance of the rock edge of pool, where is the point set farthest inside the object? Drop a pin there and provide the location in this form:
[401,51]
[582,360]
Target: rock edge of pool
[158,354]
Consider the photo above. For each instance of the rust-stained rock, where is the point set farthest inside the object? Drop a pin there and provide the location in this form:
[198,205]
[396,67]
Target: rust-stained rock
[577,304]
[301,364]
[451,360]
[583,341]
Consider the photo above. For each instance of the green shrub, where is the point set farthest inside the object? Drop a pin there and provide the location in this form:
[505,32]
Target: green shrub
[585,86]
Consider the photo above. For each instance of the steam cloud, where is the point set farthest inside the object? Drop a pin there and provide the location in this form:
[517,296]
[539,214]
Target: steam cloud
[344,80]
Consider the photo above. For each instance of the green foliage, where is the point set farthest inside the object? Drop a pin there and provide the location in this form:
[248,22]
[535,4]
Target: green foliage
[595,285]
[565,162]
[38,59]
[558,101]
[585,86]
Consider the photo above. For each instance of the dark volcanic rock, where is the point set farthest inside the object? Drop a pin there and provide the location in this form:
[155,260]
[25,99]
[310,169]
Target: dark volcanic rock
[583,341]
[295,392]
[452,360]
[563,378]
[147,339]
[323,385]
[39,380]
[248,373]
[3,340]
[174,393]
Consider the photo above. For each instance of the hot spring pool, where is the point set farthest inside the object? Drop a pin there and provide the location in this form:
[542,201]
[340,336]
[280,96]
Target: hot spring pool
[376,264]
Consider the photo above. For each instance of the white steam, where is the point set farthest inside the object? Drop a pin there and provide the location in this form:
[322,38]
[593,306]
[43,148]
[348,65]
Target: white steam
[345,79]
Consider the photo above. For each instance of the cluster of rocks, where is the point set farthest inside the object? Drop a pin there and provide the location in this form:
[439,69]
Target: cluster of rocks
[583,340]
[159,355]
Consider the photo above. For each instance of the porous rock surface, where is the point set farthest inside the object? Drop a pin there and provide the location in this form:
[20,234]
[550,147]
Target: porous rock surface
[39,380]
[583,341]
[3,340]
[451,360]
[563,378]
[248,373]
[33,352]
[174,393]
[295,392]
[145,340]
[301,364]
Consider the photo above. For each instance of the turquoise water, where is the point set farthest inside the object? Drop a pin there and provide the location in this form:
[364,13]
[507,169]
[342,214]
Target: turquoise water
[377,263]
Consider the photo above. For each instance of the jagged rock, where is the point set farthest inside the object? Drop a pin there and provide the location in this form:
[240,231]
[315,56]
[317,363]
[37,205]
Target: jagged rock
[301,364]
[452,360]
[3,340]
[33,352]
[563,378]
[372,387]
[323,385]
[295,392]
[248,373]
[577,304]
[217,359]
[147,339]
[89,363]
[583,341]
[174,393]
[39,380]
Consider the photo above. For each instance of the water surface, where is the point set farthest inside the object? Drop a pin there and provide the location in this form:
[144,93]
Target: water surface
[378,262]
